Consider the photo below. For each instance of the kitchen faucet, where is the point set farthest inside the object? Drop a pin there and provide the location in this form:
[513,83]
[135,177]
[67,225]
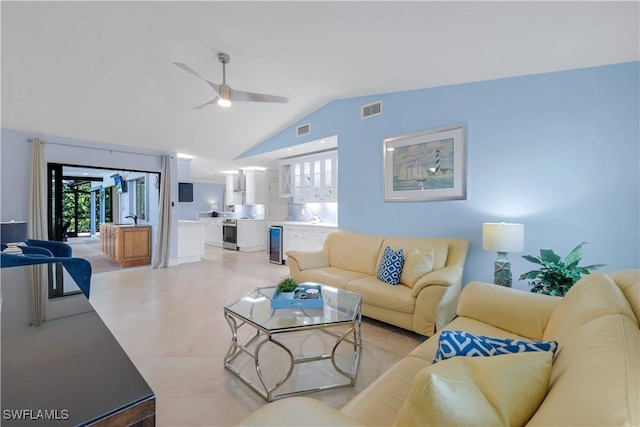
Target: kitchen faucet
[134,217]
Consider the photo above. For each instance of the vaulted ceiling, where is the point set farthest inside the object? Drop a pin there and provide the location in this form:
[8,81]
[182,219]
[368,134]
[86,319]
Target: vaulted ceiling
[102,71]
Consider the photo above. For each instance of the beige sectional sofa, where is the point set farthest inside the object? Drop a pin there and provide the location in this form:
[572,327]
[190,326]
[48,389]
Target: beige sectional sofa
[426,298]
[593,380]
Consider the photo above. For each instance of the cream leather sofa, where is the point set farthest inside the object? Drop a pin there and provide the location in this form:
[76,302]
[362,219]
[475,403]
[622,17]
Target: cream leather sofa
[594,378]
[426,298]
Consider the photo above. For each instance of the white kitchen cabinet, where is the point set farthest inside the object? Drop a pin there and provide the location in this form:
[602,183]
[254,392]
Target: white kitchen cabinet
[303,237]
[212,231]
[310,178]
[251,235]
[255,187]
[190,241]
[285,180]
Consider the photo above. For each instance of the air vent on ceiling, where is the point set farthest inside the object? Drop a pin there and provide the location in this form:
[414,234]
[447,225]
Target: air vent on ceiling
[371,110]
[303,130]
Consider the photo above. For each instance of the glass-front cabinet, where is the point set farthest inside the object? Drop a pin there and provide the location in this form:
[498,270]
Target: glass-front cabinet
[310,178]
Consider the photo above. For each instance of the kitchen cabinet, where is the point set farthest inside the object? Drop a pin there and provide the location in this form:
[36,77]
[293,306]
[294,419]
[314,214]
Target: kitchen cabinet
[303,237]
[255,187]
[190,241]
[285,181]
[212,231]
[128,245]
[251,235]
[310,178]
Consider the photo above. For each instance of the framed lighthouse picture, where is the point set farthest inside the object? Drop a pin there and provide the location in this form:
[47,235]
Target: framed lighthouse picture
[425,166]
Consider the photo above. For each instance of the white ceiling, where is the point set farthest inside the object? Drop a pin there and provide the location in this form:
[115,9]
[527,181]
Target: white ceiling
[103,71]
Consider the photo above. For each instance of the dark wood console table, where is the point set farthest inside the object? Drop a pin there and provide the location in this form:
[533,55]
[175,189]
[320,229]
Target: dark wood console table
[70,371]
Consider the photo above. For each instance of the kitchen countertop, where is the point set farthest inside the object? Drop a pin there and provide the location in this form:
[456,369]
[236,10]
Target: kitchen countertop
[237,219]
[305,224]
[127,225]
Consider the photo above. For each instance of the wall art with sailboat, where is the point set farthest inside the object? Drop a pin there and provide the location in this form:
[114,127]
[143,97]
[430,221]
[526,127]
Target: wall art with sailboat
[428,165]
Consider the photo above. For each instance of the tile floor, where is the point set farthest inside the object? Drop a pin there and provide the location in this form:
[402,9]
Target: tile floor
[170,323]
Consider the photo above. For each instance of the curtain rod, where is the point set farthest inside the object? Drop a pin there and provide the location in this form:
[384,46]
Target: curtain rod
[97,148]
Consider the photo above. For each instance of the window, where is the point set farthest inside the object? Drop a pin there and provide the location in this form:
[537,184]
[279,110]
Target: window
[139,196]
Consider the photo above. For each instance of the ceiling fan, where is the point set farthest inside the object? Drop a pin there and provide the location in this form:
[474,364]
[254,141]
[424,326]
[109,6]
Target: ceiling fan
[224,94]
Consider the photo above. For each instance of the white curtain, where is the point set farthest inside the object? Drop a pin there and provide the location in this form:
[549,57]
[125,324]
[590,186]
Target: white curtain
[163,241]
[37,223]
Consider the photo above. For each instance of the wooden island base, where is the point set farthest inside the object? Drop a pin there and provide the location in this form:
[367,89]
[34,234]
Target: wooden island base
[128,245]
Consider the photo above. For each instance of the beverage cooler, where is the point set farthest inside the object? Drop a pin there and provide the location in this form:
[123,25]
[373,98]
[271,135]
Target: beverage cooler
[275,245]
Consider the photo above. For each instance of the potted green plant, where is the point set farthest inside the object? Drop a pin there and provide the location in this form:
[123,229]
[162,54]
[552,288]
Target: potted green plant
[555,275]
[287,287]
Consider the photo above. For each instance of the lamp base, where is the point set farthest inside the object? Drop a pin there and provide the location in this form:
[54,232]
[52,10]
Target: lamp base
[12,248]
[502,270]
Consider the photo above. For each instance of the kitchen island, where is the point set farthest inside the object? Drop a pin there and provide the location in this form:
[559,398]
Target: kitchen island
[127,244]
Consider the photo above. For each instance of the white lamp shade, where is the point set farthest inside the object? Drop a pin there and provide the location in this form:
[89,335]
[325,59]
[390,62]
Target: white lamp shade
[214,206]
[503,237]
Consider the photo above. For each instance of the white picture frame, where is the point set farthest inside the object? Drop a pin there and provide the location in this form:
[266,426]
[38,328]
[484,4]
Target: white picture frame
[426,166]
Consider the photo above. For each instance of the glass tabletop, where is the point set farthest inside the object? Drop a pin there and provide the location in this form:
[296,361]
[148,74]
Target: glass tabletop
[339,306]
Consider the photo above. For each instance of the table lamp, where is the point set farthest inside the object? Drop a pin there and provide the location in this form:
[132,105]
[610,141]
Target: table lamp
[12,233]
[502,237]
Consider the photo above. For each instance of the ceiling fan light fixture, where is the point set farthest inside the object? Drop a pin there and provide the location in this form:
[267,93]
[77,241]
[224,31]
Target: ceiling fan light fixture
[225,95]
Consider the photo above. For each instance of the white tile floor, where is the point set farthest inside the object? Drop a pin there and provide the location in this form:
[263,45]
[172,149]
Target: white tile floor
[170,322]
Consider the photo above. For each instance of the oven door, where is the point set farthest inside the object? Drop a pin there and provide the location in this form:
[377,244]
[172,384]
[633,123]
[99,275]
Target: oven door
[230,236]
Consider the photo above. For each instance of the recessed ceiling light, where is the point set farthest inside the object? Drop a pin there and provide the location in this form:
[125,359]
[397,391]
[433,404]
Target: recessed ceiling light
[185,156]
[323,141]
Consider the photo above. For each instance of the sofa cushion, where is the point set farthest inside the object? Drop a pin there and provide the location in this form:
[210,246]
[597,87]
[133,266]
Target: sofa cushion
[354,251]
[593,296]
[595,379]
[478,391]
[629,283]
[440,247]
[520,312]
[391,265]
[331,276]
[460,343]
[416,265]
[379,403]
[378,293]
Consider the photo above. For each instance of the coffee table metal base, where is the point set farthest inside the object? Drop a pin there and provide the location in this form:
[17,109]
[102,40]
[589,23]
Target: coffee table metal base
[349,334]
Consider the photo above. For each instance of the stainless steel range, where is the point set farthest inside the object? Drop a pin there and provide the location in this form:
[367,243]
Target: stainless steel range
[230,234]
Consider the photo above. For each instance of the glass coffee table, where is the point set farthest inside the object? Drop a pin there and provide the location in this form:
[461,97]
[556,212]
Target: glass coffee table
[286,351]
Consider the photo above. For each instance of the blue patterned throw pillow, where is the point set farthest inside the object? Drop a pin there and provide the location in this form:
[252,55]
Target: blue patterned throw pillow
[390,268]
[460,343]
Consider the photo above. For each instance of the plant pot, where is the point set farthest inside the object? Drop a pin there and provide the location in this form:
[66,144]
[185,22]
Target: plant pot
[287,295]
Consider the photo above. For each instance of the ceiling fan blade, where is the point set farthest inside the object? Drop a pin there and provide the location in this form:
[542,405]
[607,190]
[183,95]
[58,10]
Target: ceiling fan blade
[215,87]
[213,101]
[240,96]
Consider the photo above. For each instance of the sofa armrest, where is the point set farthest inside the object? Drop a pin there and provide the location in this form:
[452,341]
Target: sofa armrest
[520,312]
[300,412]
[447,276]
[303,260]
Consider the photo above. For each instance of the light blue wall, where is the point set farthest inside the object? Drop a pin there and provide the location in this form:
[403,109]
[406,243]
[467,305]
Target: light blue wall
[558,152]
